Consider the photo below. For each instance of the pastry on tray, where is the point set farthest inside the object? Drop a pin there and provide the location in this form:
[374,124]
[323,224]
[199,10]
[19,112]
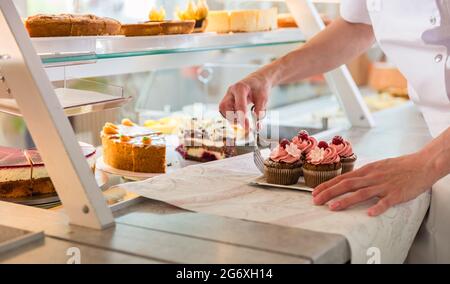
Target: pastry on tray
[207,140]
[304,142]
[23,173]
[144,29]
[197,12]
[345,152]
[322,164]
[158,28]
[238,21]
[178,27]
[286,20]
[284,166]
[133,148]
[71,25]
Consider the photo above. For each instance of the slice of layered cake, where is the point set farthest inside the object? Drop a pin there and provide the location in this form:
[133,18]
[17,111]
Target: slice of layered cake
[23,173]
[207,140]
[130,147]
[15,173]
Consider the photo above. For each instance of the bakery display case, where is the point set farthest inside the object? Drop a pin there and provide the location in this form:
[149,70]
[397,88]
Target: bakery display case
[112,146]
[76,74]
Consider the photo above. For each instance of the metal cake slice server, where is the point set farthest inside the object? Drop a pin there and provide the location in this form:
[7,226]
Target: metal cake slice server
[260,142]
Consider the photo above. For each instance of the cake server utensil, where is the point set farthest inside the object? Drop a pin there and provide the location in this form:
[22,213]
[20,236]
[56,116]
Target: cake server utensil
[260,142]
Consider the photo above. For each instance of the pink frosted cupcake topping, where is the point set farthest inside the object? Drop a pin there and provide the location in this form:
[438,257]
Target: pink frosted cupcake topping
[304,142]
[286,152]
[323,154]
[343,147]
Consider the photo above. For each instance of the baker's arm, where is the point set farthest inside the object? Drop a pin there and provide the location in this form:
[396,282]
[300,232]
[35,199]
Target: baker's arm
[394,181]
[340,42]
[438,153]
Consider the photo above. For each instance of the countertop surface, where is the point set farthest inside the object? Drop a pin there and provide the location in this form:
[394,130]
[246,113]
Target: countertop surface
[154,232]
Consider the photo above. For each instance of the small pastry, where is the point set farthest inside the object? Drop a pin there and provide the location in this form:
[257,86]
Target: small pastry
[345,151]
[322,164]
[284,166]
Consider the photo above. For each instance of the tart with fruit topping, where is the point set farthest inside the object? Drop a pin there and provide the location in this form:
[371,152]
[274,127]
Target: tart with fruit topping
[284,166]
[133,148]
[345,152]
[322,164]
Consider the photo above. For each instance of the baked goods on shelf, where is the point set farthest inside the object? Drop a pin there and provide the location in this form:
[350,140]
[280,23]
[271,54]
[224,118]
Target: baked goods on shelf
[219,22]
[207,140]
[23,173]
[133,148]
[386,78]
[144,29]
[178,27]
[156,15]
[242,20]
[286,20]
[197,12]
[71,25]
[158,28]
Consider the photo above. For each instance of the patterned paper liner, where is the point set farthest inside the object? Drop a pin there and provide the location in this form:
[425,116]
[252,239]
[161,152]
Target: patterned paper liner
[348,166]
[315,178]
[282,176]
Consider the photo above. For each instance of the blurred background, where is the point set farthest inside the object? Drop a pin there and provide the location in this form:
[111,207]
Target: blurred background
[197,90]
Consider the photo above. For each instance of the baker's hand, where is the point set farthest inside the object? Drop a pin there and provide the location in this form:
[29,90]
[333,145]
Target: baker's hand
[253,89]
[393,181]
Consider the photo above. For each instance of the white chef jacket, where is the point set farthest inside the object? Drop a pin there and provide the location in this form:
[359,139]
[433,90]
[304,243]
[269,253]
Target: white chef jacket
[415,35]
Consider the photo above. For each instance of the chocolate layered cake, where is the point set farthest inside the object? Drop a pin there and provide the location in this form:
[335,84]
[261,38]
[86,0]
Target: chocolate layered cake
[23,173]
[206,141]
[15,173]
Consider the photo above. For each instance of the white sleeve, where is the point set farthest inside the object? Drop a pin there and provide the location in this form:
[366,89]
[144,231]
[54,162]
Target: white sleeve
[355,11]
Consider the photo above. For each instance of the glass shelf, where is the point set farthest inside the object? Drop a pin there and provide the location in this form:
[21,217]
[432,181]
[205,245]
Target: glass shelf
[73,50]
[78,97]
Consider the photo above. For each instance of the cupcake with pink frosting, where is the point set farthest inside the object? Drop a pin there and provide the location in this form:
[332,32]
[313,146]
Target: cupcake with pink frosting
[322,164]
[345,151]
[284,166]
[304,142]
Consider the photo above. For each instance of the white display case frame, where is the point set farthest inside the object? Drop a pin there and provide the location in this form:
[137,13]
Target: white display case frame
[23,74]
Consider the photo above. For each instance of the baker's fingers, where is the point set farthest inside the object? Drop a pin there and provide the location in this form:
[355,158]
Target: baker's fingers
[351,175]
[260,105]
[344,186]
[382,206]
[226,107]
[240,94]
[356,197]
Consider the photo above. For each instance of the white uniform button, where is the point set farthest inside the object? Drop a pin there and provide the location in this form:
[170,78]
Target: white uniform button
[433,20]
[438,58]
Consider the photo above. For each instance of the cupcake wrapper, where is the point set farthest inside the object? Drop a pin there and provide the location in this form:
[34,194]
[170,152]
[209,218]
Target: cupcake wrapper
[315,178]
[348,167]
[282,176]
